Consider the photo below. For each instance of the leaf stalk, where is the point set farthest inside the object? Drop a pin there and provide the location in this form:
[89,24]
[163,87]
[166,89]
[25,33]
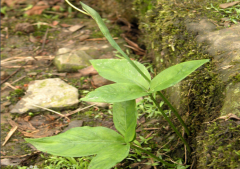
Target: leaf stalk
[175,112]
[76,8]
[152,155]
[170,123]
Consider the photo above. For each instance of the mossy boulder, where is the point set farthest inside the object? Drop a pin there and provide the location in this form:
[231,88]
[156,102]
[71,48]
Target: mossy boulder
[68,60]
[49,93]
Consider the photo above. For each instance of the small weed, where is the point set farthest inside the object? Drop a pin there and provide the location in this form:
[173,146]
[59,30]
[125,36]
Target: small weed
[4,10]
[68,162]
[15,95]
[232,13]
[147,106]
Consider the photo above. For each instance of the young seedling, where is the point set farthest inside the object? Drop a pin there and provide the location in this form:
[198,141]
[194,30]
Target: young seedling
[132,81]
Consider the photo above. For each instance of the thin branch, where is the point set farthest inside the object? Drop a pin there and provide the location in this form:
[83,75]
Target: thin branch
[13,73]
[51,111]
[79,109]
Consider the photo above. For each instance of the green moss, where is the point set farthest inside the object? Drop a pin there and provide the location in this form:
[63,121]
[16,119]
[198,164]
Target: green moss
[219,145]
[97,34]
[43,84]
[115,31]
[235,78]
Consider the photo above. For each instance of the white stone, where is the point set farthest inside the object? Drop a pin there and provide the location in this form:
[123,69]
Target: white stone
[48,93]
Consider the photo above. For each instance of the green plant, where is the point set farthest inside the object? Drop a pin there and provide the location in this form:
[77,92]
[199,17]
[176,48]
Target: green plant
[132,81]
[180,166]
[233,13]
[15,95]
[55,162]
[147,106]
[4,10]
[25,167]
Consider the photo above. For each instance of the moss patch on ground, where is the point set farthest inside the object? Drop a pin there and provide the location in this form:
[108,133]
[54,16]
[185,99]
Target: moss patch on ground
[219,146]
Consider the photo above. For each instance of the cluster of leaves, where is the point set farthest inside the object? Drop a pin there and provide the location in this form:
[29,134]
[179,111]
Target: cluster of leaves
[129,82]
[146,105]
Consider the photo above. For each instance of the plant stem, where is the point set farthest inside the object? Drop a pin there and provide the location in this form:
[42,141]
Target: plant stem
[170,123]
[175,112]
[153,156]
[76,8]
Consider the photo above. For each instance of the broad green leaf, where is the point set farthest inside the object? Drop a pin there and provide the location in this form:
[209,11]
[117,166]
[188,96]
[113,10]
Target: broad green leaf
[117,92]
[174,74]
[111,157]
[121,71]
[125,118]
[109,146]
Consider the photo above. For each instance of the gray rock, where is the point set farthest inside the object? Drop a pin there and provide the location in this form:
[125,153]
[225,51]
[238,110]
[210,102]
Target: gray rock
[224,45]
[232,100]
[201,27]
[98,104]
[98,81]
[63,50]
[4,75]
[68,60]
[48,93]
[72,124]
[24,27]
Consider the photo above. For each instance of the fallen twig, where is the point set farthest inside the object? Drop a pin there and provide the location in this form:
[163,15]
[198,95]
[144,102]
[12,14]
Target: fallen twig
[52,111]
[151,128]
[149,134]
[9,85]
[79,109]
[43,23]
[12,83]
[33,52]
[15,67]
[225,118]
[10,134]
[44,39]
[56,74]
[24,58]
[13,73]
[21,156]
[135,49]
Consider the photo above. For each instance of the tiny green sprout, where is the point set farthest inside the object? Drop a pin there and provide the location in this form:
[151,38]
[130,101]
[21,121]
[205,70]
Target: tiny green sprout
[30,114]
[145,140]
[4,10]
[27,8]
